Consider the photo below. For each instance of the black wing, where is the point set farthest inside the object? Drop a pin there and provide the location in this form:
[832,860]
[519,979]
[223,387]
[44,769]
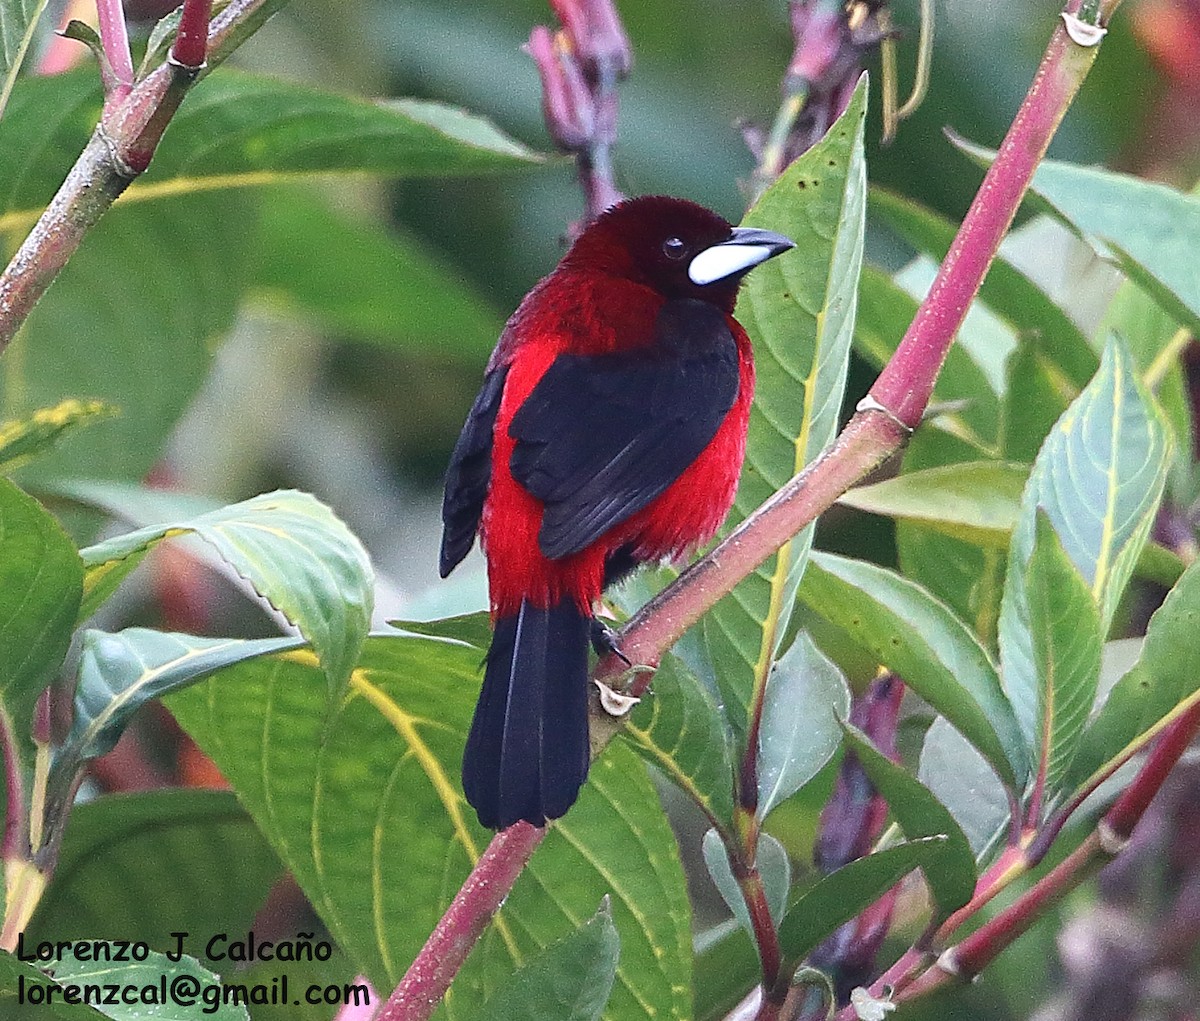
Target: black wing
[601,436]
[469,472]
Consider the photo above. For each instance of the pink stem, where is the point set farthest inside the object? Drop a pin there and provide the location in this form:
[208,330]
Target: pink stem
[191,41]
[115,39]
[479,898]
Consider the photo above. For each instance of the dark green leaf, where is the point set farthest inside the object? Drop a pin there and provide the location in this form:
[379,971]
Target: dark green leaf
[1165,681]
[841,895]
[1065,626]
[18,20]
[351,794]
[568,981]
[1038,393]
[918,638]
[472,628]
[805,700]
[679,728]
[799,310]
[951,872]
[14,974]
[141,866]
[294,551]
[41,581]
[773,866]
[362,282]
[1098,478]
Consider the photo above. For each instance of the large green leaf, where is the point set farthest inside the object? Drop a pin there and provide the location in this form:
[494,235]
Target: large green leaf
[363,282]
[351,795]
[1098,478]
[841,895]
[805,701]
[679,728]
[961,779]
[41,581]
[569,981]
[799,311]
[920,639]
[1165,680]
[1152,231]
[294,551]
[141,866]
[951,872]
[242,130]
[1065,628]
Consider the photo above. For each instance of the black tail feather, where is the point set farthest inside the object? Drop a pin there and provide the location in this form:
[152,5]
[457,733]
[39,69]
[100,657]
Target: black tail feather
[527,753]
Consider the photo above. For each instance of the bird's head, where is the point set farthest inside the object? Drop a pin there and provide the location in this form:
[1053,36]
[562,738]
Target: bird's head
[677,247]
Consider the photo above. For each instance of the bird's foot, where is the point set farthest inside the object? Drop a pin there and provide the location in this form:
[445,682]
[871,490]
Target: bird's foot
[605,640]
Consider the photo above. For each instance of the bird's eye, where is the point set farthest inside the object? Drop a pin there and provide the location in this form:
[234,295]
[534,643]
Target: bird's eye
[673,248]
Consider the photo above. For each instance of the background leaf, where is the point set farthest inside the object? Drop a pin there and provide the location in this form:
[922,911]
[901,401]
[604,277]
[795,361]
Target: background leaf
[41,581]
[294,551]
[805,701]
[24,438]
[568,981]
[961,779]
[771,860]
[919,639]
[1098,477]
[951,873]
[799,311]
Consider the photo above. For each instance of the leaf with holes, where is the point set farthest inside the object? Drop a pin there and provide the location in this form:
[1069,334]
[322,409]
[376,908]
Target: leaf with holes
[351,794]
[920,639]
[799,310]
[294,551]
[679,728]
[1098,478]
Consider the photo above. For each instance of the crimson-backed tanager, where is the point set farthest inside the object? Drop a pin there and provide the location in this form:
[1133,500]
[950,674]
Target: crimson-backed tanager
[609,431]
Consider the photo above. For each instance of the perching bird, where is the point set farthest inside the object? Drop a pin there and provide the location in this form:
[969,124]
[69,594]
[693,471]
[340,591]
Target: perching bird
[610,431]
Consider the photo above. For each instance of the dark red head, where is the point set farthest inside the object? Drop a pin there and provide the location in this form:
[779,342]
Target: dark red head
[679,248]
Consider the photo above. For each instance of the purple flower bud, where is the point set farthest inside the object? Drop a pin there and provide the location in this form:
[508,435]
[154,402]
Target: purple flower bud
[567,104]
[597,35]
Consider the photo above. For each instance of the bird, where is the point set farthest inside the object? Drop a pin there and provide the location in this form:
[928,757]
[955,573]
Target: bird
[609,431]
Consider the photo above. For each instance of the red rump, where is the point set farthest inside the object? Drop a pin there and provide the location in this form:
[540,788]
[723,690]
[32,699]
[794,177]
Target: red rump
[610,431]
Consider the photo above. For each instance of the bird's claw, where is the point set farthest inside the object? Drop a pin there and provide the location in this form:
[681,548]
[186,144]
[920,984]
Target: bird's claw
[605,641]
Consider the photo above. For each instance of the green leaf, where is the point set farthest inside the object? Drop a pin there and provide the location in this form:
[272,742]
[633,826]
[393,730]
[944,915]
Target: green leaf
[41,581]
[1039,390]
[679,728]
[474,629]
[1150,230]
[294,551]
[961,779]
[119,673]
[1164,683]
[569,981]
[799,311]
[920,639]
[23,439]
[141,866]
[185,978]
[1006,291]
[805,700]
[773,866]
[350,794]
[131,321]
[977,501]
[271,132]
[951,872]
[1065,627]
[18,22]
[1099,478]
[841,895]
[14,974]
[348,276]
